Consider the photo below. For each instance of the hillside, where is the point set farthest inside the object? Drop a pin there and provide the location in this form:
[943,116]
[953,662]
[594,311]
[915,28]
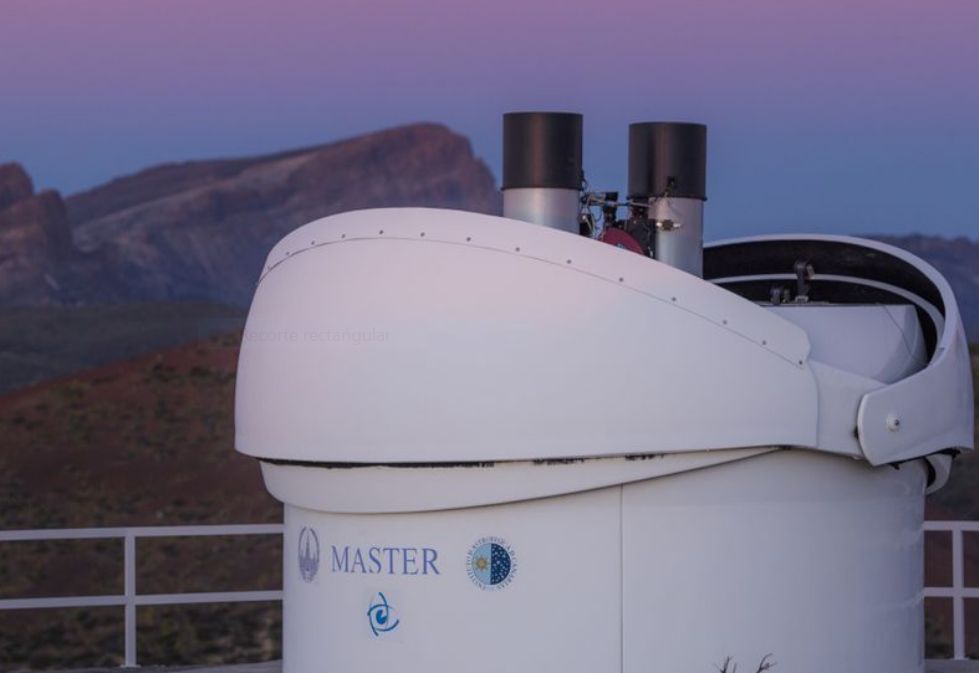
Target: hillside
[38,343]
[136,442]
[142,442]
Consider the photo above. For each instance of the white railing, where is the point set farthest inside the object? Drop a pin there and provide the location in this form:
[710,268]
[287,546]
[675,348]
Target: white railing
[958,592]
[129,599]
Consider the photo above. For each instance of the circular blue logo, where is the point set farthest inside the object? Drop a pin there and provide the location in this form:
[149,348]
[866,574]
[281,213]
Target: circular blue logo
[491,563]
[380,614]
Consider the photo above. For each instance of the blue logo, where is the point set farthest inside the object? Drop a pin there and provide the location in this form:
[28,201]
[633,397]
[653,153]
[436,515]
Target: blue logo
[379,614]
[309,554]
[491,563]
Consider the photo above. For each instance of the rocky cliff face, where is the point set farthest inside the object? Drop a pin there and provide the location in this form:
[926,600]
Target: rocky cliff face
[201,230]
[39,263]
[15,185]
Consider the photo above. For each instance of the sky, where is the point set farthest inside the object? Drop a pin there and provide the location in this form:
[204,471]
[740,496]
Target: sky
[828,116]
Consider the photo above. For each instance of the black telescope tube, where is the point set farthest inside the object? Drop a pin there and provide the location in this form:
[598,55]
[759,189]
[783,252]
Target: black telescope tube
[542,149]
[667,158]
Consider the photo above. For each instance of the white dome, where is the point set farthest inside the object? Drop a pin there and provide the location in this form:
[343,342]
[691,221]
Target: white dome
[416,335]
[435,336]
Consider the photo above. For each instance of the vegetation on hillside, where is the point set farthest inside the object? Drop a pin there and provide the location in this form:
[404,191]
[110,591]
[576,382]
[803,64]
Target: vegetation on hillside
[39,343]
[143,442]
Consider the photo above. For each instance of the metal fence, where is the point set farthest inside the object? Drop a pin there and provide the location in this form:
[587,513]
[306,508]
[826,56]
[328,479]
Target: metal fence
[958,592]
[129,598]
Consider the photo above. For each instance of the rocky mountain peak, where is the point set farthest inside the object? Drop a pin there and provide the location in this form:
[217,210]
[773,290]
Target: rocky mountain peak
[35,246]
[15,185]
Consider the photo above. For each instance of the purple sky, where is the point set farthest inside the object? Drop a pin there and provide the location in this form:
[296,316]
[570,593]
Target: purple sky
[827,115]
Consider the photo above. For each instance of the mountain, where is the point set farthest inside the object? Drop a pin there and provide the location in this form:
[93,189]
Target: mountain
[200,230]
[39,262]
[15,185]
[174,247]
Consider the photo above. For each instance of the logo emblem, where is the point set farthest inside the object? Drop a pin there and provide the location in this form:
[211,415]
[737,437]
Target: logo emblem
[491,563]
[309,554]
[379,615]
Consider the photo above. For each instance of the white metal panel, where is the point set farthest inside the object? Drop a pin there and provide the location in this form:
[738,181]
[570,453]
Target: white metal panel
[813,559]
[673,574]
[931,410]
[384,488]
[928,412]
[556,247]
[413,335]
[840,394]
[856,349]
[558,611]
[879,342]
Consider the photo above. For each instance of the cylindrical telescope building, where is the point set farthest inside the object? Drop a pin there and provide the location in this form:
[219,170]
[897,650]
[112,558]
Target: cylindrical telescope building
[501,447]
